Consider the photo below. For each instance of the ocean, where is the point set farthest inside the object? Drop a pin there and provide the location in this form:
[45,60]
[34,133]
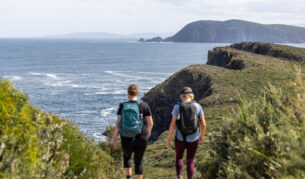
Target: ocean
[86,79]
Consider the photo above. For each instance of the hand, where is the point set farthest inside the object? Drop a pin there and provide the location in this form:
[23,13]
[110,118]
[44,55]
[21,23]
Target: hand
[115,142]
[168,141]
[149,133]
[201,138]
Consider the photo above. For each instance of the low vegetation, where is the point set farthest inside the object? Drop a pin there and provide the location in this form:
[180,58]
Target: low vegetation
[265,137]
[35,144]
[229,89]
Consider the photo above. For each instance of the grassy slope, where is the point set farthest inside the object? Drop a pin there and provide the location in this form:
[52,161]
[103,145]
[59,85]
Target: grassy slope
[227,86]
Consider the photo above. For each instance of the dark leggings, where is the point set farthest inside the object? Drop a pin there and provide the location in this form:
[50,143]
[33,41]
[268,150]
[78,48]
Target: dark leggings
[137,147]
[191,148]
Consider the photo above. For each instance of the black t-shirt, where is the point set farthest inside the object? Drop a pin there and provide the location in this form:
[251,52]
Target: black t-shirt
[144,111]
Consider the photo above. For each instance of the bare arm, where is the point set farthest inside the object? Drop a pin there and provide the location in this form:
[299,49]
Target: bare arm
[116,131]
[171,130]
[150,124]
[203,127]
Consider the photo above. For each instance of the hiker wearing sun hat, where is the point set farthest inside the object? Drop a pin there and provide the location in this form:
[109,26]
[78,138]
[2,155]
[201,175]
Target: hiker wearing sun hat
[187,118]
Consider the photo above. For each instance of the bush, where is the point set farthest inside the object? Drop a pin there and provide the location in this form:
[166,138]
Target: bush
[265,138]
[35,144]
[115,153]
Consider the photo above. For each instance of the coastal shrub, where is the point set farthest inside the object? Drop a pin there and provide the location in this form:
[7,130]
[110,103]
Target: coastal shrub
[35,144]
[265,138]
[115,153]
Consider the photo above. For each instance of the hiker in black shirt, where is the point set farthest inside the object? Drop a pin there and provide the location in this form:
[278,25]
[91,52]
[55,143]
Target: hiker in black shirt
[138,143]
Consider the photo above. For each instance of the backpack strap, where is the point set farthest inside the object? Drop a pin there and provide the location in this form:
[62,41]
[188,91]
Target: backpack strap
[139,102]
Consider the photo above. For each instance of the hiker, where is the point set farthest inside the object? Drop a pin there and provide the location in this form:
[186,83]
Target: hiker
[134,123]
[186,119]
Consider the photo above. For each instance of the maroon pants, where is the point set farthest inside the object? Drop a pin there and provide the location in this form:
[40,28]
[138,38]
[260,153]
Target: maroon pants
[191,148]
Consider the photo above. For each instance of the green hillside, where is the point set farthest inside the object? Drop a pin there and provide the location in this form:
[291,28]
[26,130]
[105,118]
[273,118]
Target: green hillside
[230,31]
[219,90]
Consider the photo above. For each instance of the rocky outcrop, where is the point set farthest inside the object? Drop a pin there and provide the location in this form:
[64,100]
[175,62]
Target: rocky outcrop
[162,98]
[224,58]
[155,39]
[278,51]
[141,40]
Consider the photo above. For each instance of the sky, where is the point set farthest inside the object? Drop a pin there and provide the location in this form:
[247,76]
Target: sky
[33,18]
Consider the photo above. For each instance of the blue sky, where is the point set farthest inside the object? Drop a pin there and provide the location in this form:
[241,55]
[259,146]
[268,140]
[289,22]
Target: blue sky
[28,18]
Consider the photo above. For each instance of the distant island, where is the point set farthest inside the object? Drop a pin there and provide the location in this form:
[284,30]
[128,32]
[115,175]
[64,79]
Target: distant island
[106,35]
[231,31]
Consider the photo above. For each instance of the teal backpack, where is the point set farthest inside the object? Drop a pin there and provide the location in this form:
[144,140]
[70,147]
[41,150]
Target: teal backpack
[131,123]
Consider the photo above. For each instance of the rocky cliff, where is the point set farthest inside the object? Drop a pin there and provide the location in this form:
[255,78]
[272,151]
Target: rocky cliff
[241,69]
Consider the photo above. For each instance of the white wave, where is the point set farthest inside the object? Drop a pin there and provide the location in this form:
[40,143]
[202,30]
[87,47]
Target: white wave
[87,112]
[141,72]
[50,75]
[118,73]
[36,74]
[113,92]
[58,84]
[107,111]
[12,78]
[75,86]
[100,136]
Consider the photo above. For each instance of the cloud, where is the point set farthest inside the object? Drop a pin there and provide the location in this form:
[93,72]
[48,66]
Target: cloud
[36,17]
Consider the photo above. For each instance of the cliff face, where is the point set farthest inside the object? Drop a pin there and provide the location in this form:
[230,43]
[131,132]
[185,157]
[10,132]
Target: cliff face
[222,58]
[233,71]
[163,97]
[236,31]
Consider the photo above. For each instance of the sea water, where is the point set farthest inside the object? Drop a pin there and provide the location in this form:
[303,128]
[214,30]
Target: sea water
[86,79]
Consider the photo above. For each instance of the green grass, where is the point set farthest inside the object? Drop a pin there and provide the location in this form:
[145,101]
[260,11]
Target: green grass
[227,89]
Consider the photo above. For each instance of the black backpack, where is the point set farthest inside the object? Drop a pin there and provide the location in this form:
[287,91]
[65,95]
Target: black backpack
[188,122]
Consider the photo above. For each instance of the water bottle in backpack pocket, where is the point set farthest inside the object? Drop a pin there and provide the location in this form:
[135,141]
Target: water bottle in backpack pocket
[131,123]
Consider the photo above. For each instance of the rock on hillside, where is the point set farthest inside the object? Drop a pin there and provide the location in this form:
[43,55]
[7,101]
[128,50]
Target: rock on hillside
[239,69]
[162,98]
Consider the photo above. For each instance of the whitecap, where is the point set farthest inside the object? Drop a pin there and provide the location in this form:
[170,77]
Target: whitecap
[141,72]
[118,73]
[75,86]
[100,136]
[112,92]
[50,75]
[107,111]
[12,78]
[58,84]
[87,112]
[36,74]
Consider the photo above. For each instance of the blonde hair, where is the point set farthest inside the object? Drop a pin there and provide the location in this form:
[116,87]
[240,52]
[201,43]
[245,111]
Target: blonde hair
[185,96]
